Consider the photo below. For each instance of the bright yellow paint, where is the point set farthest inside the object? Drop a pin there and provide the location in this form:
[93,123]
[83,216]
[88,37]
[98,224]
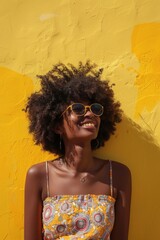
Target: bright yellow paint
[145,44]
[17,151]
[35,35]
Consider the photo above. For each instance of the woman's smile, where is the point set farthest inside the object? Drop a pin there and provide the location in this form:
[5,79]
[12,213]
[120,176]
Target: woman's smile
[88,124]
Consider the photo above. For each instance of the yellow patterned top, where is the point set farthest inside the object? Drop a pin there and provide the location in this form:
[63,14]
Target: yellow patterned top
[74,217]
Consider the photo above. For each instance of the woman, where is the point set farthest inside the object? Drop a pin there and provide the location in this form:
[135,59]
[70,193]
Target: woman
[76,196]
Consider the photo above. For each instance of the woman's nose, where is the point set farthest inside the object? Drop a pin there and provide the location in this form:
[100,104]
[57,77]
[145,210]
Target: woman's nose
[88,112]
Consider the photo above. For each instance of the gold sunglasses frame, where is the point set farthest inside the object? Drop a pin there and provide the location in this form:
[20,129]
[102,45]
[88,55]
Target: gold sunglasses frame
[85,109]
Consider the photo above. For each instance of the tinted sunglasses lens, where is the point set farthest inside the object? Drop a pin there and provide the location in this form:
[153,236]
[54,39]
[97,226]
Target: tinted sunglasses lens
[78,108]
[97,109]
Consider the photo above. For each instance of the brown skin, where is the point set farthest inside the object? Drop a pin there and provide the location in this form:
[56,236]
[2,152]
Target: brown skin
[65,177]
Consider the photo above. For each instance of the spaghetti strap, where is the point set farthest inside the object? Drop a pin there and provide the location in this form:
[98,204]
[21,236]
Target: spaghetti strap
[47,179]
[111,178]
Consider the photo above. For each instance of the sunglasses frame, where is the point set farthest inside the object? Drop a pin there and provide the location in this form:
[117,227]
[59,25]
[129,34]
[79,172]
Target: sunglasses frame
[85,109]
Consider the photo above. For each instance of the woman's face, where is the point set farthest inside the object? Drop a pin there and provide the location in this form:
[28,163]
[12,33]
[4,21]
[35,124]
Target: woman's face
[80,128]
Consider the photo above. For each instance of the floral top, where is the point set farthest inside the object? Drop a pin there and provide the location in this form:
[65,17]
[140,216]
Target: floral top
[75,217]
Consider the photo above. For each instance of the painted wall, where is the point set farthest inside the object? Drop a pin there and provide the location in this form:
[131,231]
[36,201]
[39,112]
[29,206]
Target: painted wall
[122,36]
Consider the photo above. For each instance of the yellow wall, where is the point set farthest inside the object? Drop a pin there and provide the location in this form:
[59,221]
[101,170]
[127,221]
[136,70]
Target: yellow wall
[122,36]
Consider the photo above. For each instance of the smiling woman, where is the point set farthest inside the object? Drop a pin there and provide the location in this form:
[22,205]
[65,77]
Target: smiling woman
[77,195]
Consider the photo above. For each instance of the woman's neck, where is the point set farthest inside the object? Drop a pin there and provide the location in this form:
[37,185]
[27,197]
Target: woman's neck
[79,157]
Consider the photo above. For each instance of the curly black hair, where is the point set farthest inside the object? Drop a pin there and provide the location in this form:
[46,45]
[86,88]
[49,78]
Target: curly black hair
[61,86]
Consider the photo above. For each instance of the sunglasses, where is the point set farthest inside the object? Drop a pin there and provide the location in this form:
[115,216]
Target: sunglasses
[79,109]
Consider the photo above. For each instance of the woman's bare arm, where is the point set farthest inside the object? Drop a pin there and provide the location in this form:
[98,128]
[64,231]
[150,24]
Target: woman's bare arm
[122,178]
[33,203]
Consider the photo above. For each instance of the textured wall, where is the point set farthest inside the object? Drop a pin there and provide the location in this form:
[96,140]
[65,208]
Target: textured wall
[123,37]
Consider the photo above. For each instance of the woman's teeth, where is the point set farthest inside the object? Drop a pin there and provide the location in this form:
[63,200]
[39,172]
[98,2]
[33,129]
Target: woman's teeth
[88,124]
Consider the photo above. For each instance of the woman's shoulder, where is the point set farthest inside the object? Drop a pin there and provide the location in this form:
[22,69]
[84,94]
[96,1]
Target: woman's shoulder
[35,179]
[120,166]
[37,170]
[116,166]
[121,173]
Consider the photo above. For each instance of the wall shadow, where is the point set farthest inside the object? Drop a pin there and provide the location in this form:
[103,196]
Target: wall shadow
[139,150]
